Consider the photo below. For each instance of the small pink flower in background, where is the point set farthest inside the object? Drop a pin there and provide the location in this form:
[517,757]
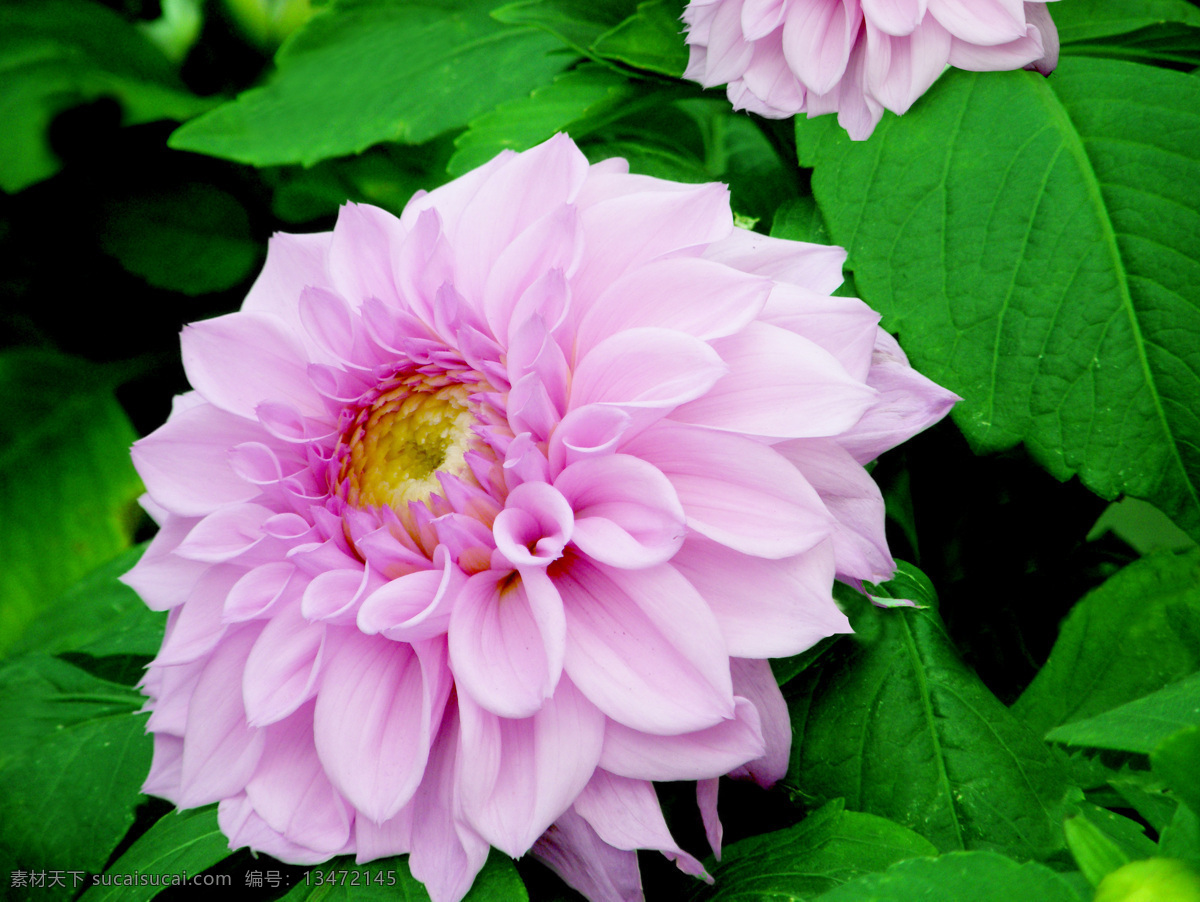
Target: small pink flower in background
[481,519]
[857,57]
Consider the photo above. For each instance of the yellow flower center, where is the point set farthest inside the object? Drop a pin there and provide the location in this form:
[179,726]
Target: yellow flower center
[398,445]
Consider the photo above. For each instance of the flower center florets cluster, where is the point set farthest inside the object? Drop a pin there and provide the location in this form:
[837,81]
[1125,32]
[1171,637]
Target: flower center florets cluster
[400,436]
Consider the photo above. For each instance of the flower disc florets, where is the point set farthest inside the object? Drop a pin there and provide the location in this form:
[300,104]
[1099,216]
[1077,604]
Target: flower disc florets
[480,519]
[857,58]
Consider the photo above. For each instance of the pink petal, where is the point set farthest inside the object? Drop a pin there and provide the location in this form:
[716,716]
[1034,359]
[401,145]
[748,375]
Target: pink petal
[378,694]
[166,768]
[851,495]
[602,873]
[163,580]
[446,852]
[535,767]
[706,801]
[185,463]
[535,525]
[707,753]
[761,17]
[895,17]
[754,681]
[291,793]
[816,267]
[646,368]
[293,263]
[779,384]
[240,360]
[983,22]
[414,606]
[817,37]
[220,751]
[625,814]
[899,70]
[506,643]
[674,678]
[907,404]
[225,533]
[765,608]
[1014,54]
[240,822]
[699,297]
[199,626]
[845,327]
[735,490]
[281,671]
[626,512]
[365,241]
[1037,15]
[728,54]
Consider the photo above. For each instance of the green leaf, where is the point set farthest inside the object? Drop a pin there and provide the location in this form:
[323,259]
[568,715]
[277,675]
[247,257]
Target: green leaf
[73,758]
[1085,20]
[98,616]
[1181,838]
[825,850]
[56,54]
[389,879]
[1140,725]
[895,723]
[366,71]
[651,39]
[974,876]
[576,24]
[800,219]
[576,102]
[180,842]
[1176,761]
[1040,259]
[67,486]
[193,238]
[1169,43]
[1132,635]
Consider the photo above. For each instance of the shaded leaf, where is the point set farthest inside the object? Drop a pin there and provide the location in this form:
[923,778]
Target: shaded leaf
[179,842]
[67,485]
[895,723]
[829,847]
[1041,260]
[366,71]
[1140,725]
[650,39]
[1102,841]
[1134,634]
[193,239]
[576,24]
[56,54]
[98,616]
[1085,20]
[73,759]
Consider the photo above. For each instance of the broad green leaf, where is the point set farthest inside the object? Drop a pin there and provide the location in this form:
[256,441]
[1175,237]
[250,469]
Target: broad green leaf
[193,239]
[894,722]
[1040,259]
[576,102]
[650,39]
[1176,761]
[800,219]
[974,876]
[576,24]
[179,842]
[366,71]
[73,755]
[56,54]
[389,880]
[1140,725]
[98,616]
[1154,880]
[67,486]
[828,848]
[1132,635]
[1083,20]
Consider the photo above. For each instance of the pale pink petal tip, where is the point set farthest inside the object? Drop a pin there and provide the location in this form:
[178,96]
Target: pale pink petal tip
[856,58]
[481,519]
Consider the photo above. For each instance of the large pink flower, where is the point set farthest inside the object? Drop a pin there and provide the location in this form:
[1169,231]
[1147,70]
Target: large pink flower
[857,57]
[480,519]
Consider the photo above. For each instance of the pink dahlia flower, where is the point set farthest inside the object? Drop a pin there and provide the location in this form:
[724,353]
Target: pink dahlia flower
[480,519]
[857,57]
